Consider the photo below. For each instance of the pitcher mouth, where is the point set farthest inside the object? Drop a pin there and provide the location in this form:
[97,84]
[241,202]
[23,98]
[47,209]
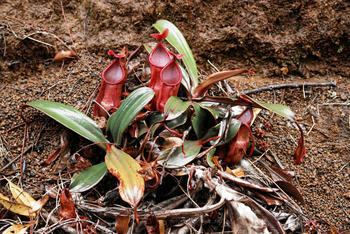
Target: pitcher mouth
[159,56]
[171,74]
[114,74]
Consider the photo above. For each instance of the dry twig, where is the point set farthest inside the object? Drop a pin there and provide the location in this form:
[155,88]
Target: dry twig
[289,86]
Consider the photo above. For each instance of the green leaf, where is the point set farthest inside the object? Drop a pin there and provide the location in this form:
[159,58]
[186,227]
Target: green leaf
[177,122]
[186,80]
[130,107]
[209,158]
[174,107]
[218,130]
[179,159]
[88,178]
[71,118]
[126,169]
[213,111]
[279,109]
[201,120]
[232,130]
[176,39]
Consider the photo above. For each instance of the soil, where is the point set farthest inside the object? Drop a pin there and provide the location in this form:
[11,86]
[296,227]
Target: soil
[283,41]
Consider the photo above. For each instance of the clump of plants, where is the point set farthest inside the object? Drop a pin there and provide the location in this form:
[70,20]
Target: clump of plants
[171,134]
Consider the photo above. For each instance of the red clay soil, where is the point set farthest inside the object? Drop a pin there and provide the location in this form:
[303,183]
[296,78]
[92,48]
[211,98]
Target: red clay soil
[293,41]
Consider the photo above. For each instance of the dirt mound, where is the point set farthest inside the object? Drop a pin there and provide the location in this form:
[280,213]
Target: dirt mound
[304,37]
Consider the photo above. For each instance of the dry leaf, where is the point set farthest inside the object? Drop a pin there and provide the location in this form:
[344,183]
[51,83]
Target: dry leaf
[17,229]
[161,227]
[25,198]
[122,224]
[244,220]
[20,195]
[269,200]
[67,210]
[126,169]
[15,207]
[61,150]
[281,174]
[238,172]
[291,190]
[172,142]
[64,55]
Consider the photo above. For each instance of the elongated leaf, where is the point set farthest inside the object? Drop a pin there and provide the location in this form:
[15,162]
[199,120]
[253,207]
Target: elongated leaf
[279,109]
[218,130]
[300,151]
[130,107]
[202,120]
[20,195]
[175,107]
[291,190]
[71,118]
[24,198]
[186,80]
[201,89]
[177,122]
[122,224]
[179,159]
[88,178]
[213,111]
[16,207]
[233,129]
[176,39]
[126,168]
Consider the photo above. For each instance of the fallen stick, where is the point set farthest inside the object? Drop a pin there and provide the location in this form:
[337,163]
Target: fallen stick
[287,86]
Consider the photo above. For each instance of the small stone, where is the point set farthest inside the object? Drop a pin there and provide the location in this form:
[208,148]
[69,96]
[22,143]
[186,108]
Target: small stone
[343,97]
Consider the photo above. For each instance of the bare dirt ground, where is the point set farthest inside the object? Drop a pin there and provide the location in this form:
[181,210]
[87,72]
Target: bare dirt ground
[283,41]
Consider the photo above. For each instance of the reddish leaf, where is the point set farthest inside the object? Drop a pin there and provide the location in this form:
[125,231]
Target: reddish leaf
[67,210]
[300,151]
[53,156]
[268,199]
[61,150]
[201,89]
[122,224]
[239,144]
[278,174]
[80,164]
[290,189]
